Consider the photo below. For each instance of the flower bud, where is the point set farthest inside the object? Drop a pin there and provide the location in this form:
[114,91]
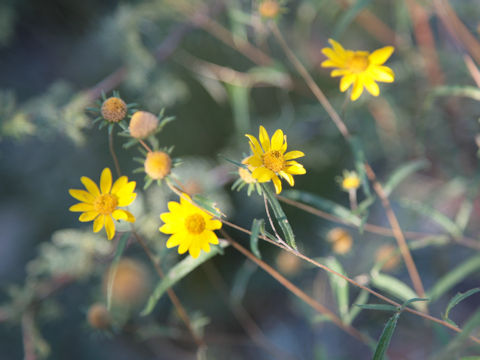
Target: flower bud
[114,109]
[269,9]
[143,124]
[157,164]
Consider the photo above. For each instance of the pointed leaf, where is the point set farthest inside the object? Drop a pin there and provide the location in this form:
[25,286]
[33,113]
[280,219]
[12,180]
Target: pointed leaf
[378,307]
[385,338]
[458,298]
[256,228]
[339,286]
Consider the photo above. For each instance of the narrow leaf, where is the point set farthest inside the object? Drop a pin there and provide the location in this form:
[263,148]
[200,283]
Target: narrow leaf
[178,272]
[339,286]
[458,298]
[324,204]
[402,173]
[359,157]
[361,299]
[240,282]
[463,215]
[379,307]
[113,266]
[256,227]
[410,301]
[385,338]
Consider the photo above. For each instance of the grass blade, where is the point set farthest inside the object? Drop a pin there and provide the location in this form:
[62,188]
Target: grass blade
[385,338]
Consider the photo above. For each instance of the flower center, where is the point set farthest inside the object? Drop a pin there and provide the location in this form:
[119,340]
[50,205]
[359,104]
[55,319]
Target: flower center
[351,182]
[105,204]
[195,224]
[358,63]
[273,160]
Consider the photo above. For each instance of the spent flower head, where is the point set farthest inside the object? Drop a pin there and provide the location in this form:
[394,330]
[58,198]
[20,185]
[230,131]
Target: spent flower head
[112,110]
[191,228]
[269,159]
[102,205]
[360,69]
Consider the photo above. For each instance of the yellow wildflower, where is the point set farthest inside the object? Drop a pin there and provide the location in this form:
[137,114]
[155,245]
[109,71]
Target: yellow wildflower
[191,227]
[269,159]
[269,9]
[350,180]
[102,205]
[246,174]
[359,68]
[157,164]
[114,109]
[341,240]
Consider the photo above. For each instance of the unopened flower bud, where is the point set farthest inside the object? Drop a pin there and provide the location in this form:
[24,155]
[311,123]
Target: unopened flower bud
[142,124]
[114,109]
[157,164]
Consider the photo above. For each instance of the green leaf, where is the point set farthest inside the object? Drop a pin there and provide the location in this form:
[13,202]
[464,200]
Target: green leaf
[453,277]
[339,286]
[256,227]
[239,100]
[448,225]
[348,16]
[178,272]
[385,338]
[410,301]
[113,266]
[207,204]
[361,299]
[396,288]
[240,282]
[458,298]
[359,157]
[378,307]
[325,205]
[402,173]
[280,215]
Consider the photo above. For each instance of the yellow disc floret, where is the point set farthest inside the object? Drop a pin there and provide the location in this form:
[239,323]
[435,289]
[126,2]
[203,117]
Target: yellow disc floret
[114,109]
[191,228]
[142,124]
[157,164]
[105,204]
[269,160]
[350,181]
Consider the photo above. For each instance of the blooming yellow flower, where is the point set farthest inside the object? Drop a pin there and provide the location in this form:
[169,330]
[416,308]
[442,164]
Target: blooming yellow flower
[350,180]
[191,227]
[101,205]
[269,160]
[360,68]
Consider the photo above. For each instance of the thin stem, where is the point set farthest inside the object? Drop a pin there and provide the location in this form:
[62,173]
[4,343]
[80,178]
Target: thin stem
[352,196]
[353,282]
[145,145]
[113,154]
[270,220]
[297,291]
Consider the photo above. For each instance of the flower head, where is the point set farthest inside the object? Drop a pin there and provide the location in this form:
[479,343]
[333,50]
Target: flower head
[350,180]
[157,164]
[359,68]
[102,205]
[269,9]
[191,228]
[114,109]
[98,317]
[142,124]
[245,178]
[270,160]
[341,240]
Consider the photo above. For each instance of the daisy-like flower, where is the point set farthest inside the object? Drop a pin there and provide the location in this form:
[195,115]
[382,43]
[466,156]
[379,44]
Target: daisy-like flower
[359,68]
[191,228]
[269,159]
[102,205]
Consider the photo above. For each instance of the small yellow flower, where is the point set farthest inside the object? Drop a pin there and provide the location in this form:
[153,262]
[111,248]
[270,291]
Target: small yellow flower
[341,240]
[269,160]
[350,180]
[246,174]
[102,205]
[157,164]
[142,124]
[359,68]
[191,227]
[114,109]
[269,9]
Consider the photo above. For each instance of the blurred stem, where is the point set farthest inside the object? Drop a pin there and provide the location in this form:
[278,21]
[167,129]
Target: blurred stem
[352,196]
[113,154]
[351,281]
[145,145]
[27,334]
[397,232]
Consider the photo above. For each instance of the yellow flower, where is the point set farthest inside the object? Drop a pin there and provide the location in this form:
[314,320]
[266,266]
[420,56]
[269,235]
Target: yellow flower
[157,164]
[359,68]
[269,9]
[101,205]
[341,240]
[191,227]
[350,180]
[269,160]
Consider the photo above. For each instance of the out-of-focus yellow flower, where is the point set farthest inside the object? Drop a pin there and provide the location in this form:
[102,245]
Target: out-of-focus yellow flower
[246,174]
[387,255]
[288,264]
[102,205]
[191,228]
[157,164]
[114,109]
[359,68]
[270,160]
[350,180]
[341,240]
[269,9]
[142,124]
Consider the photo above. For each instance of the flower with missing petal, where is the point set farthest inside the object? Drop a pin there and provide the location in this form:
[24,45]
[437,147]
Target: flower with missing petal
[269,159]
[102,205]
[191,228]
[359,69]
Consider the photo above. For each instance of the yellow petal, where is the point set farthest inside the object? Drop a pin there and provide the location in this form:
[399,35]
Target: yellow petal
[211,237]
[205,245]
[254,145]
[214,225]
[120,214]
[130,217]
[262,174]
[254,161]
[109,227]
[371,86]
[82,195]
[168,228]
[126,200]
[382,73]
[378,57]
[174,240]
[277,183]
[264,140]
[337,47]
[91,187]
[296,169]
[339,72]
[81,207]
[194,251]
[119,184]
[287,177]
[357,90]
[293,155]
[277,140]
[126,189]
[346,81]
[98,223]
[184,244]
[106,181]
[88,216]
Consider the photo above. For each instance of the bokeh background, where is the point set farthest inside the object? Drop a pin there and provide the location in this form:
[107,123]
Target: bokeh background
[56,57]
